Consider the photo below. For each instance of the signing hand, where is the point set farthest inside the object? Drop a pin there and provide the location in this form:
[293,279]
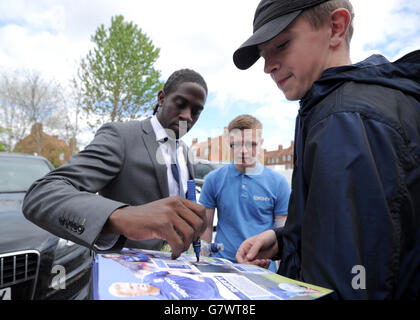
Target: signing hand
[174,219]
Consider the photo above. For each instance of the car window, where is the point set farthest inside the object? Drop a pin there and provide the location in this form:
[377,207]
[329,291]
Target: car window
[201,170]
[17,174]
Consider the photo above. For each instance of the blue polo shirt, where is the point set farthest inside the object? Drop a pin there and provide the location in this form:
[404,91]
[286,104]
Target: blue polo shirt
[246,204]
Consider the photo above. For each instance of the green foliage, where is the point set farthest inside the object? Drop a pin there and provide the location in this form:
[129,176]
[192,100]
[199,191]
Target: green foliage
[118,80]
[3,145]
[55,163]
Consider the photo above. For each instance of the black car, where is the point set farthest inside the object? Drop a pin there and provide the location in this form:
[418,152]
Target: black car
[203,167]
[35,264]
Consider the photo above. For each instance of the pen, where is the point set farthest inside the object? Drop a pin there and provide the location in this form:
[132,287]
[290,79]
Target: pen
[191,196]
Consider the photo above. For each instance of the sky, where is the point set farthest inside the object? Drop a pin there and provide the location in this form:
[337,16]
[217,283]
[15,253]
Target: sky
[51,36]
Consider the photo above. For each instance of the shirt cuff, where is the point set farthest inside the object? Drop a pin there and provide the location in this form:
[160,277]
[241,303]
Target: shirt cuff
[281,213]
[106,241]
[279,236]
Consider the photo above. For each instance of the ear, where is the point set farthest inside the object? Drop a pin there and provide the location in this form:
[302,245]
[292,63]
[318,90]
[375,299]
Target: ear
[340,20]
[161,97]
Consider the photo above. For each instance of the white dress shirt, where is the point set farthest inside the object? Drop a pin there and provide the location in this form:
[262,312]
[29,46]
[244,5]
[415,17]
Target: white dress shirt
[166,145]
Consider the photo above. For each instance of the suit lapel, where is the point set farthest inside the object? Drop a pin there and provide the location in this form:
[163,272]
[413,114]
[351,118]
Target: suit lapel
[155,154]
[189,159]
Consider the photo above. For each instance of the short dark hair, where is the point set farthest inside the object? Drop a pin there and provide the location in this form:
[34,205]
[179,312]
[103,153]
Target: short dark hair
[181,76]
[316,16]
[244,121]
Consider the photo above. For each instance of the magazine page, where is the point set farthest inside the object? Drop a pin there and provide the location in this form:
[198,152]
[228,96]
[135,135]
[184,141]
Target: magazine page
[153,275]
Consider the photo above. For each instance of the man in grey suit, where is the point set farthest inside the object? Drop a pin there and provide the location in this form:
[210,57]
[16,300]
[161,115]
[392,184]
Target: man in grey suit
[120,190]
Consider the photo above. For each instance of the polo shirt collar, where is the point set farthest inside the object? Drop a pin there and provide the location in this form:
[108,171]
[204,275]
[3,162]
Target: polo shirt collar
[257,170]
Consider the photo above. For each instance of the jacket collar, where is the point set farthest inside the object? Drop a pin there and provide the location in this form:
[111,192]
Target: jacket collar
[376,69]
[161,135]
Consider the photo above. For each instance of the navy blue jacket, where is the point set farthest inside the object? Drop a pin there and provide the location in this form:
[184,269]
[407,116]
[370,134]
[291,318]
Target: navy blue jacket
[354,212]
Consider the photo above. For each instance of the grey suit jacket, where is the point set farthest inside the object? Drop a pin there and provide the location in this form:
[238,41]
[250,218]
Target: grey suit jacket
[119,167]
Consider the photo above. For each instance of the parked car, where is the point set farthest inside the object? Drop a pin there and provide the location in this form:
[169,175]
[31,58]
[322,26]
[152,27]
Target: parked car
[35,264]
[202,168]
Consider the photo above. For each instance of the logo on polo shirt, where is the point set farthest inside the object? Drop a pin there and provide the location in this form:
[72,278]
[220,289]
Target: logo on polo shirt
[261,198]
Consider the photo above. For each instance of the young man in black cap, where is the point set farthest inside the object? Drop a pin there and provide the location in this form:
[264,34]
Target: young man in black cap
[354,212]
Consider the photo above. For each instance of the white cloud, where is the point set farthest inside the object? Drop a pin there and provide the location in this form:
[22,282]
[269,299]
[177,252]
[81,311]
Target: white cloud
[52,35]
[384,27]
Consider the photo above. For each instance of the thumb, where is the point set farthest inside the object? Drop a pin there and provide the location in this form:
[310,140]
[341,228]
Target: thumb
[253,251]
[241,254]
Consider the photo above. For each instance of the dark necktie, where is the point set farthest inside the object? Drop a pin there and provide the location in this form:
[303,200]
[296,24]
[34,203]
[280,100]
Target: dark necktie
[176,172]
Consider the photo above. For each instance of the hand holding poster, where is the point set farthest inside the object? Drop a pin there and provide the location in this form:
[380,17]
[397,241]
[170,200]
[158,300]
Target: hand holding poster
[144,274]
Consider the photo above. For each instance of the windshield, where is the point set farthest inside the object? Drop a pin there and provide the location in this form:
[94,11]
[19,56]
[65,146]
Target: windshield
[214,167]
[17,174]
[203,169]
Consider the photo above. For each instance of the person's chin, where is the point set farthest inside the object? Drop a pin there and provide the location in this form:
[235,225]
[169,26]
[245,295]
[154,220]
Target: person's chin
[245,164]
[293,94]
[251,165]
[173,131]
[178,133]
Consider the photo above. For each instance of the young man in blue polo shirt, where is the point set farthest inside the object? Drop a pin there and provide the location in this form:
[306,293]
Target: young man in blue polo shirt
[249,197]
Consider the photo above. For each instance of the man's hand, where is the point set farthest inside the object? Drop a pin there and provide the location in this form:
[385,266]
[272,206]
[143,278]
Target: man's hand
[174,219]
[258,249]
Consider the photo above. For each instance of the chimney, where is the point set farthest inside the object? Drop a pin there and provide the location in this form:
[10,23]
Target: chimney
[209,147]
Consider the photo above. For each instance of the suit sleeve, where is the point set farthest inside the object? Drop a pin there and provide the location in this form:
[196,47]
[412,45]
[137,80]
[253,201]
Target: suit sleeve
[66,201]
[351,223]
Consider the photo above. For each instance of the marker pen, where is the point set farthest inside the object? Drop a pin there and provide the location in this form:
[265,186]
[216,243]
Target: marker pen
[191,196]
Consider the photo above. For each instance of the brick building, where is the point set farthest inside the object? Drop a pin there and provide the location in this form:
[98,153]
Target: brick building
[214,149]
[280,157]
[38,142]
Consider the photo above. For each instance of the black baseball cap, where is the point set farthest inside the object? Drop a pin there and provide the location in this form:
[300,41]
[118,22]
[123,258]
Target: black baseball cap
[271,18]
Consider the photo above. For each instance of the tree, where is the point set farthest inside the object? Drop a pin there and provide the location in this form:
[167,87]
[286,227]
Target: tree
[3,146]
[67,125]
[12,116]
[25,99]
[118,80]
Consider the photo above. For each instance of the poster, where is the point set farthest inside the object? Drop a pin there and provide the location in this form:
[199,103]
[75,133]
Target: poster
[136,274]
